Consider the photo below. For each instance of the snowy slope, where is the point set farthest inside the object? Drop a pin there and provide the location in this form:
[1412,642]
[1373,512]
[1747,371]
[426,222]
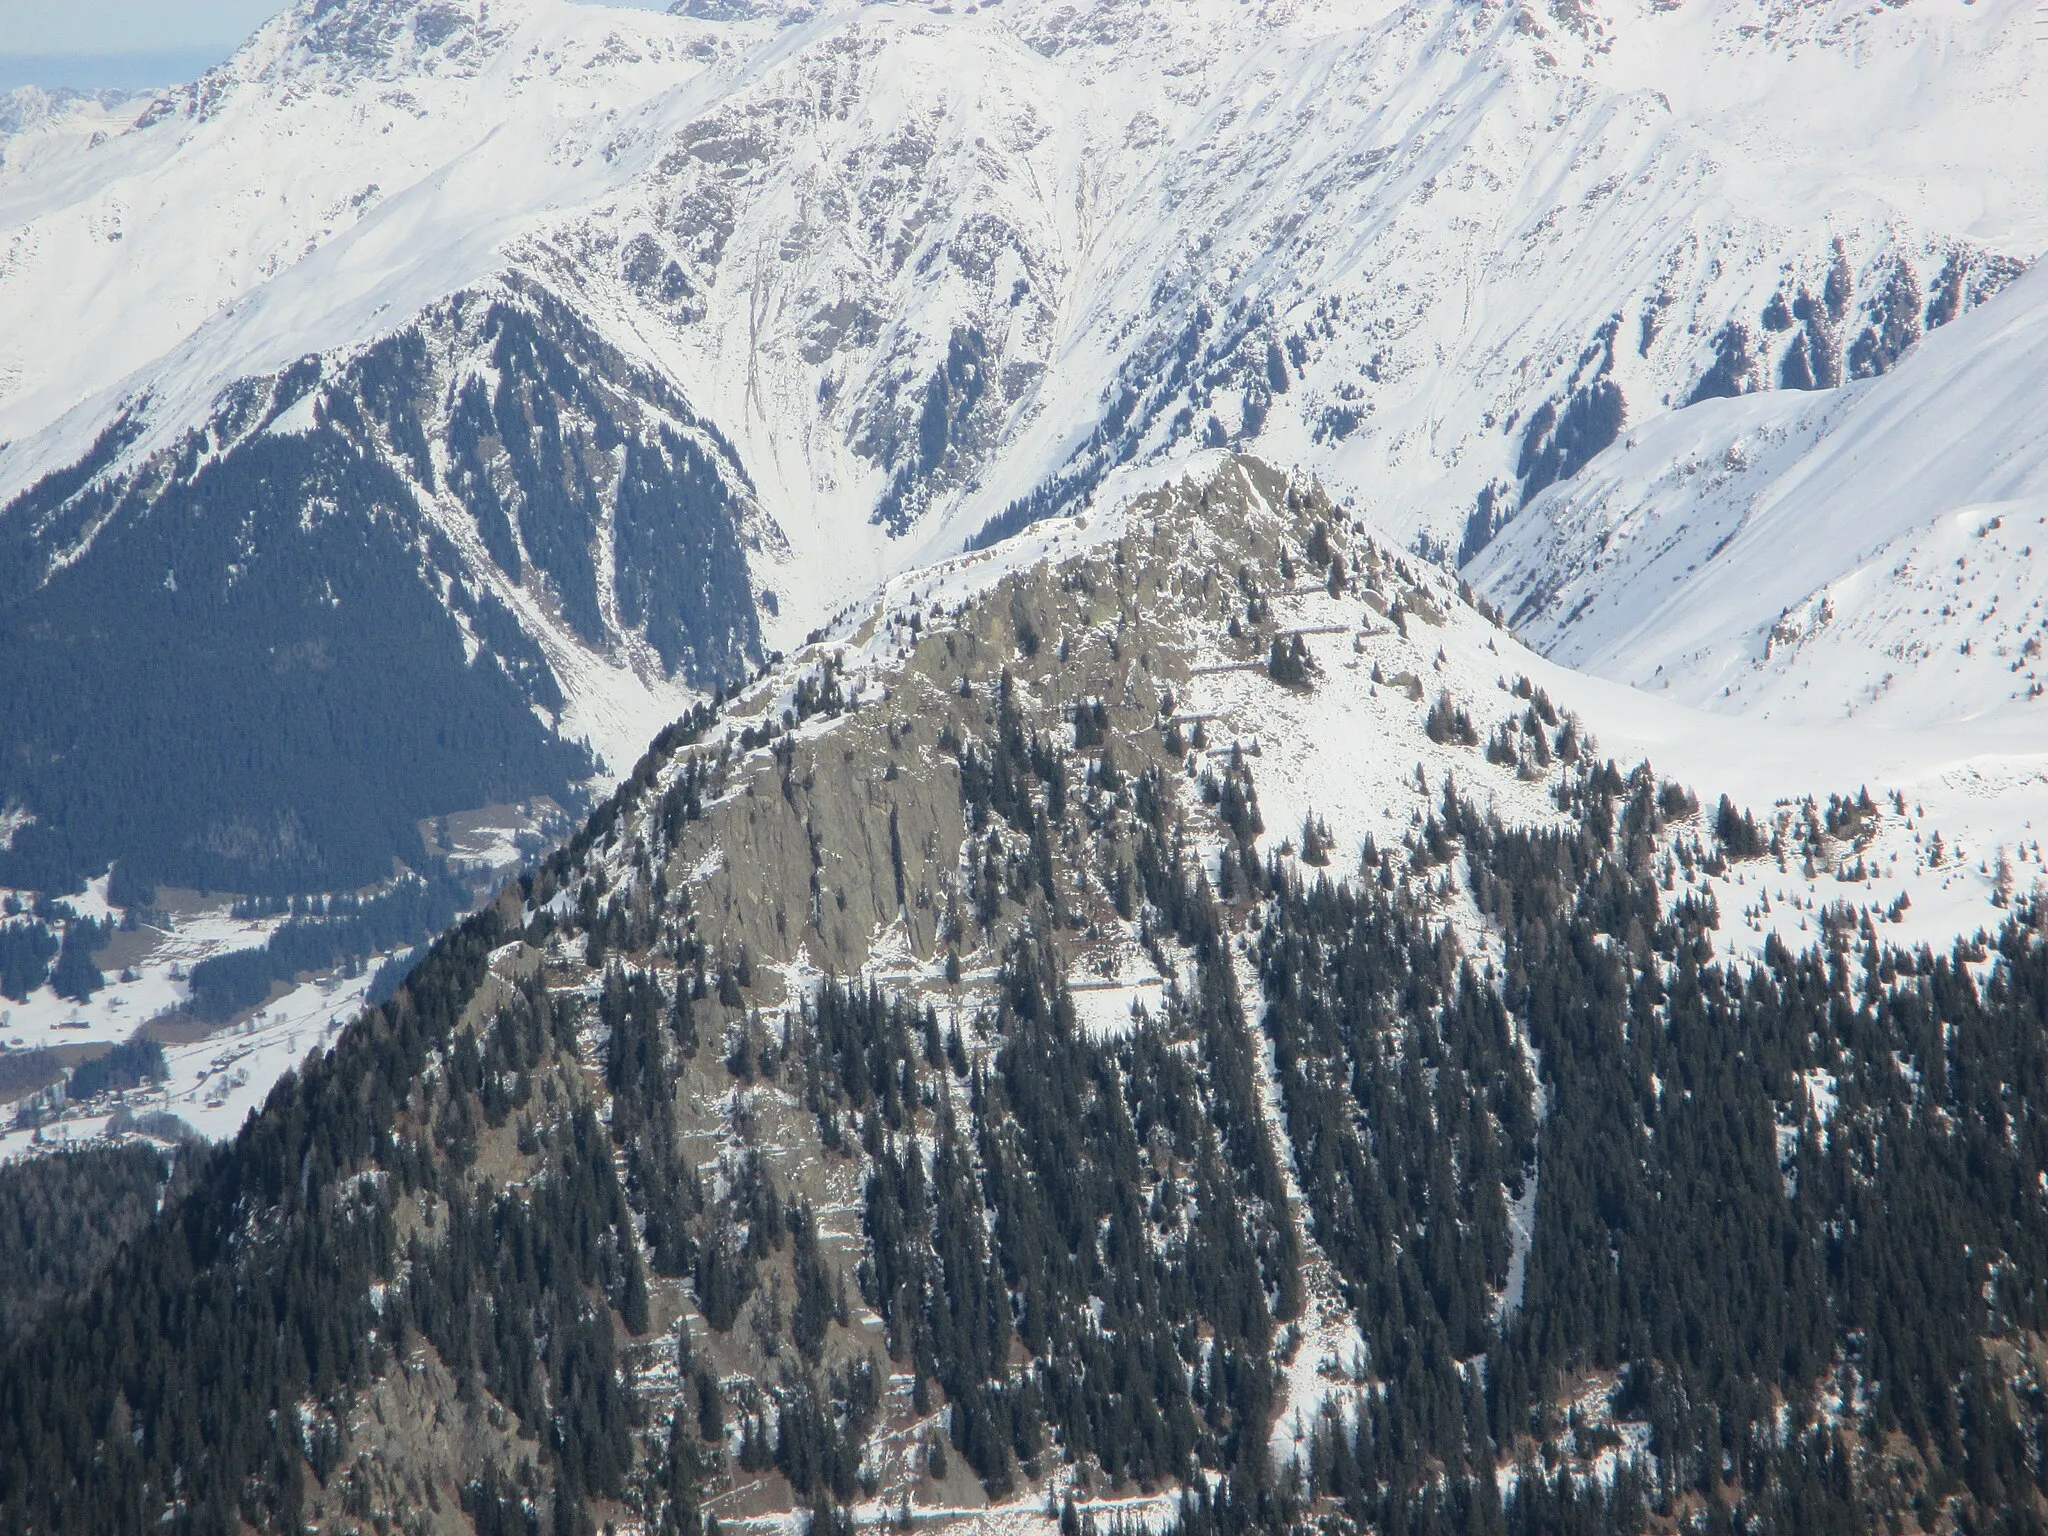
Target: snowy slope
[35,122]
[1877,552]
[1374,240]
[337,171]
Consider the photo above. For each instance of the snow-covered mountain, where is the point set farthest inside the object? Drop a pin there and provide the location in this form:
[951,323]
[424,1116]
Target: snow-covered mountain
[881,279]
[1877,552]
[812,216]
[33,119]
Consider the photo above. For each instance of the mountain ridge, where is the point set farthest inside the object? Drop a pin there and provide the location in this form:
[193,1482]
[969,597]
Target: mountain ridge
[270,66]
[878,1111]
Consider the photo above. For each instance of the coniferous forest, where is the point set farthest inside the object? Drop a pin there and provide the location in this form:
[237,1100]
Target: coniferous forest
[276,662]
[1633,1238]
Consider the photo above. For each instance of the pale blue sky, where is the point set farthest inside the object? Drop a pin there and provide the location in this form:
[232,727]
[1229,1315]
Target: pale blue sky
[128,26]
[94,43]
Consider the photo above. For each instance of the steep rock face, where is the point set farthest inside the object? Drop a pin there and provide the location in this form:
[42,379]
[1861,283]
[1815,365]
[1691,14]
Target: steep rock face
[426,577]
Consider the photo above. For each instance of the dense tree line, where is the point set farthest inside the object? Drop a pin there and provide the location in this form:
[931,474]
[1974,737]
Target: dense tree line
[175,1381]
[62,1220]
[75,976]
[27,946]
[506,1297]
[646,1037]
[1114,1207]
[201,1339]
[1792,1210]
[224,696]
[344,929]
[128,1065]
[1412,1119]
[32,937]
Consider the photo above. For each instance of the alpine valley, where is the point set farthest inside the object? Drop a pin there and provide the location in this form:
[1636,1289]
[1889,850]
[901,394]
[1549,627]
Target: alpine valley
[1346,707]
